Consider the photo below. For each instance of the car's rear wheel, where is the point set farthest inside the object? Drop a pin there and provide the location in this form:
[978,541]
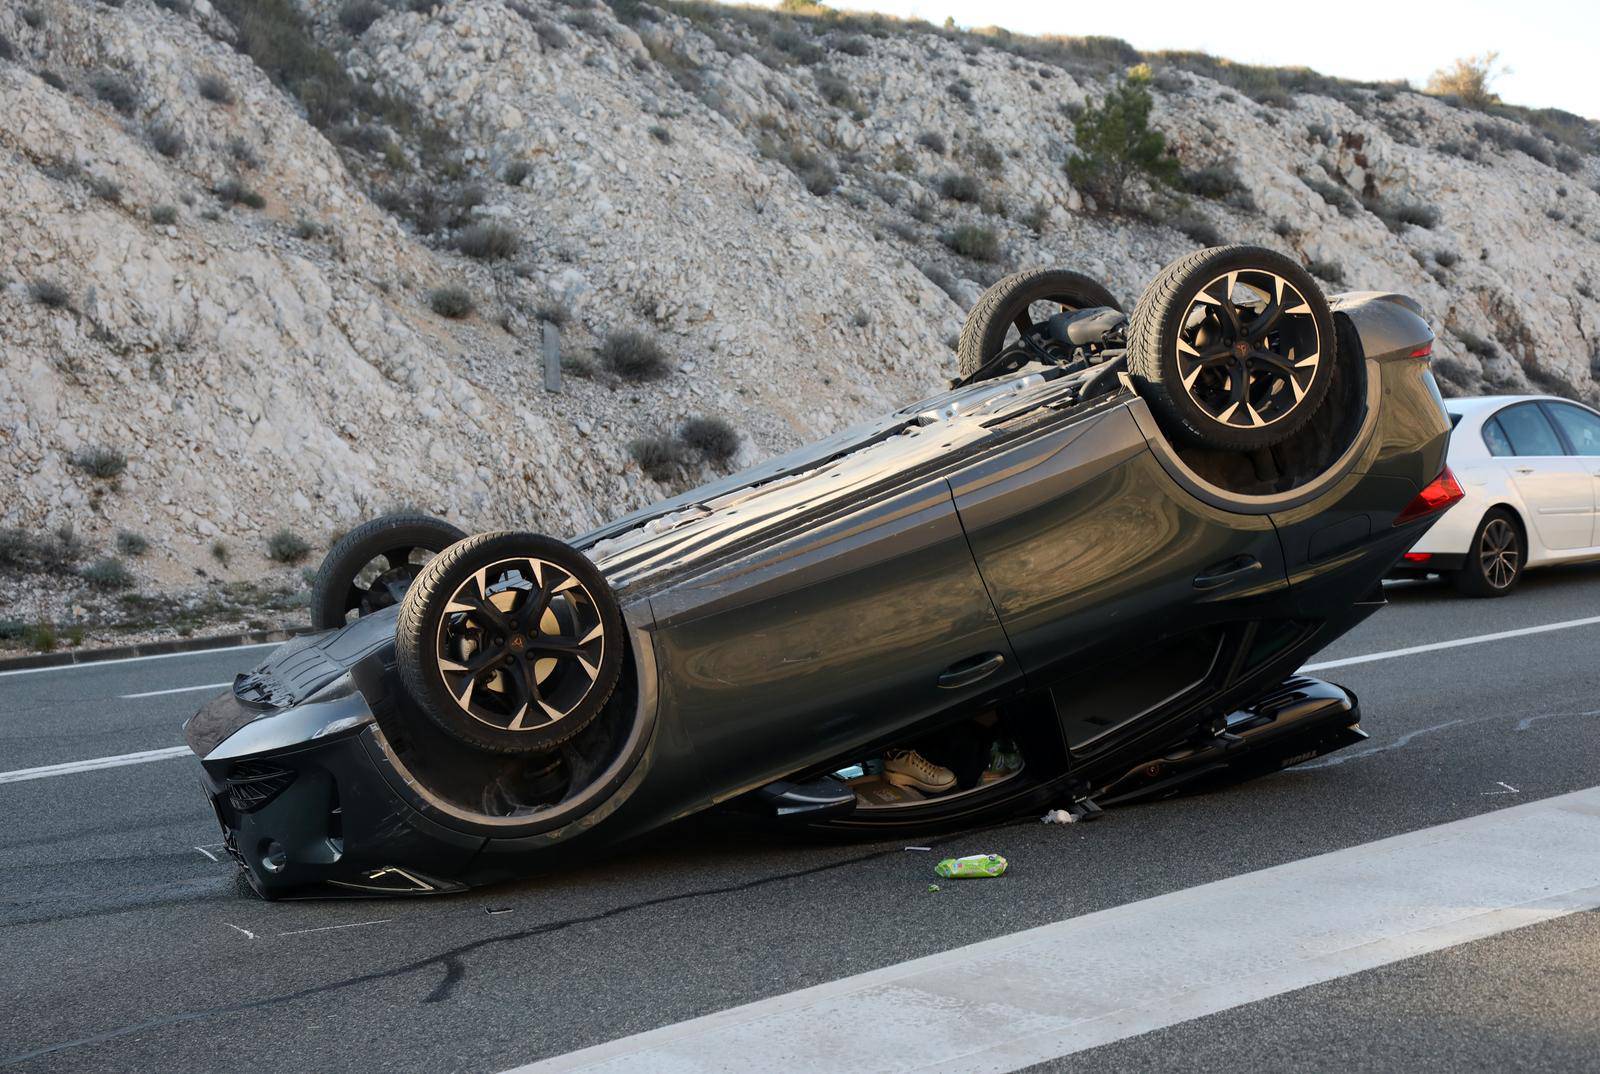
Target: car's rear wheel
[1018,307]
[1233,347]
[510,642]
[1495,561]
[373,565]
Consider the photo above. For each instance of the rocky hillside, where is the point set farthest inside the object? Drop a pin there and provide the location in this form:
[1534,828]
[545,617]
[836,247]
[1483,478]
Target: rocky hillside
[268,268]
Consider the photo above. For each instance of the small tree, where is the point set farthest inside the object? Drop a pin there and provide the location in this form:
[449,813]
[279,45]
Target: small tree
[1468,79]
[1117,147]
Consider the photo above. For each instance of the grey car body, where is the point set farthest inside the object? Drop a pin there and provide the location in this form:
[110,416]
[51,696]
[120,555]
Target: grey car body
[1001,544]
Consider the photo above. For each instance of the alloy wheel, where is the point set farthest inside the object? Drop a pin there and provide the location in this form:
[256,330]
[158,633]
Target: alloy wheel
[1499,553]
[520,644]
[1248,348]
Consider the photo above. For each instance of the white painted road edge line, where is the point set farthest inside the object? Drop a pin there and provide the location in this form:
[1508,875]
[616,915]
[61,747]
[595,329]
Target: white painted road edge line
[89,665]
[177,690]
[22,775]
[1050,991]
[1477,639]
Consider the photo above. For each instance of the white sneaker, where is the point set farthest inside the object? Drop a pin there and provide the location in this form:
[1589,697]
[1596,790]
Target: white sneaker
[908,768]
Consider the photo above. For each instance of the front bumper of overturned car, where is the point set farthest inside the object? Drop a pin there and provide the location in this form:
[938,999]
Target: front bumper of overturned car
[304,806]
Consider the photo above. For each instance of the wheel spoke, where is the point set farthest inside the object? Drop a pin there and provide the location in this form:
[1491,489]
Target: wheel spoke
[1265,322]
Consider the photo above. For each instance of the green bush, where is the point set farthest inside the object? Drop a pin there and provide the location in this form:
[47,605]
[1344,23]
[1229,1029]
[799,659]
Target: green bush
[554,312]
[115,90]
[835,89]
[1335,195]
[233,192]
[516,172]
[1331,271]
[712,437]
[983,153]
[815,172]
[1117,148]
[49,293]
[489,242]
[214,89]
[287,547]
[107,573]
[1201,230]
[1396,215]
[356,16]
[131,544]
[661,134]
[660,457]
[166,139]
[1217,182]
[103,463]
[104,188]
[961,186]
[932,140]
[974,241]
[452,302]
[633,355]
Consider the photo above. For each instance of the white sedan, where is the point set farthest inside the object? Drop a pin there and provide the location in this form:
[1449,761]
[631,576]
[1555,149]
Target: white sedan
[1530,468]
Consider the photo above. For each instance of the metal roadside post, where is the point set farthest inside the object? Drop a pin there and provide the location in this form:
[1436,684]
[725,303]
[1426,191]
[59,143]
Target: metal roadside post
[552,356]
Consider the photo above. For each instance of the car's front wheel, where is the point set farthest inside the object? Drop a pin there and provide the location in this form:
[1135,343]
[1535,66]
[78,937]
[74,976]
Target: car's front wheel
[1497,557]
[510,642]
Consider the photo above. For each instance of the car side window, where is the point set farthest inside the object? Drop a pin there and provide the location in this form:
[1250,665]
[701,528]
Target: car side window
[1494,438]
[1529,431]
[1581,426]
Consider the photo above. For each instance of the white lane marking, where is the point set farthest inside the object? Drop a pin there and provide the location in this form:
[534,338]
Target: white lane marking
[91,664]
[330,928]
[208,853]
[1050,991]
[177,690]
[1435,646]
[22,775]
[247,933]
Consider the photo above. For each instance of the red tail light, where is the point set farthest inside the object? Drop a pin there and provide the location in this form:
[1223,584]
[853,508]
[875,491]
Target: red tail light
[1424,351]
[1417,557]
[1440,493]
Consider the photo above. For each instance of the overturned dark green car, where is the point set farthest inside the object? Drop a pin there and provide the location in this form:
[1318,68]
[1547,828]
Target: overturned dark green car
[1087,574]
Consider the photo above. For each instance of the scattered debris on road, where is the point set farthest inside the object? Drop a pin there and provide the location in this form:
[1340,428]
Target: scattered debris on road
[972,867]
[1059,816]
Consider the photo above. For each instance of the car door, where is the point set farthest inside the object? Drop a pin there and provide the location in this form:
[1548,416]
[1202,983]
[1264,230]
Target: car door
[834,636]
[1095,557]
[1557,488]
[1580,428]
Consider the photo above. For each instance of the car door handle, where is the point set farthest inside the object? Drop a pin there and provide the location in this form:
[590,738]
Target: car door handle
[1221,574]
[1523,469]
[969,671]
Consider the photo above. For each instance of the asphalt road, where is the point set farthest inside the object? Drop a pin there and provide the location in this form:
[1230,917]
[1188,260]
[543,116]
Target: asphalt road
[127,948]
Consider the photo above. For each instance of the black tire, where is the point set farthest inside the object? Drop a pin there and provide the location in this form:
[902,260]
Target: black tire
[1216,379]
[1496,559]
[983,336]
[477,674]
[338,589]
